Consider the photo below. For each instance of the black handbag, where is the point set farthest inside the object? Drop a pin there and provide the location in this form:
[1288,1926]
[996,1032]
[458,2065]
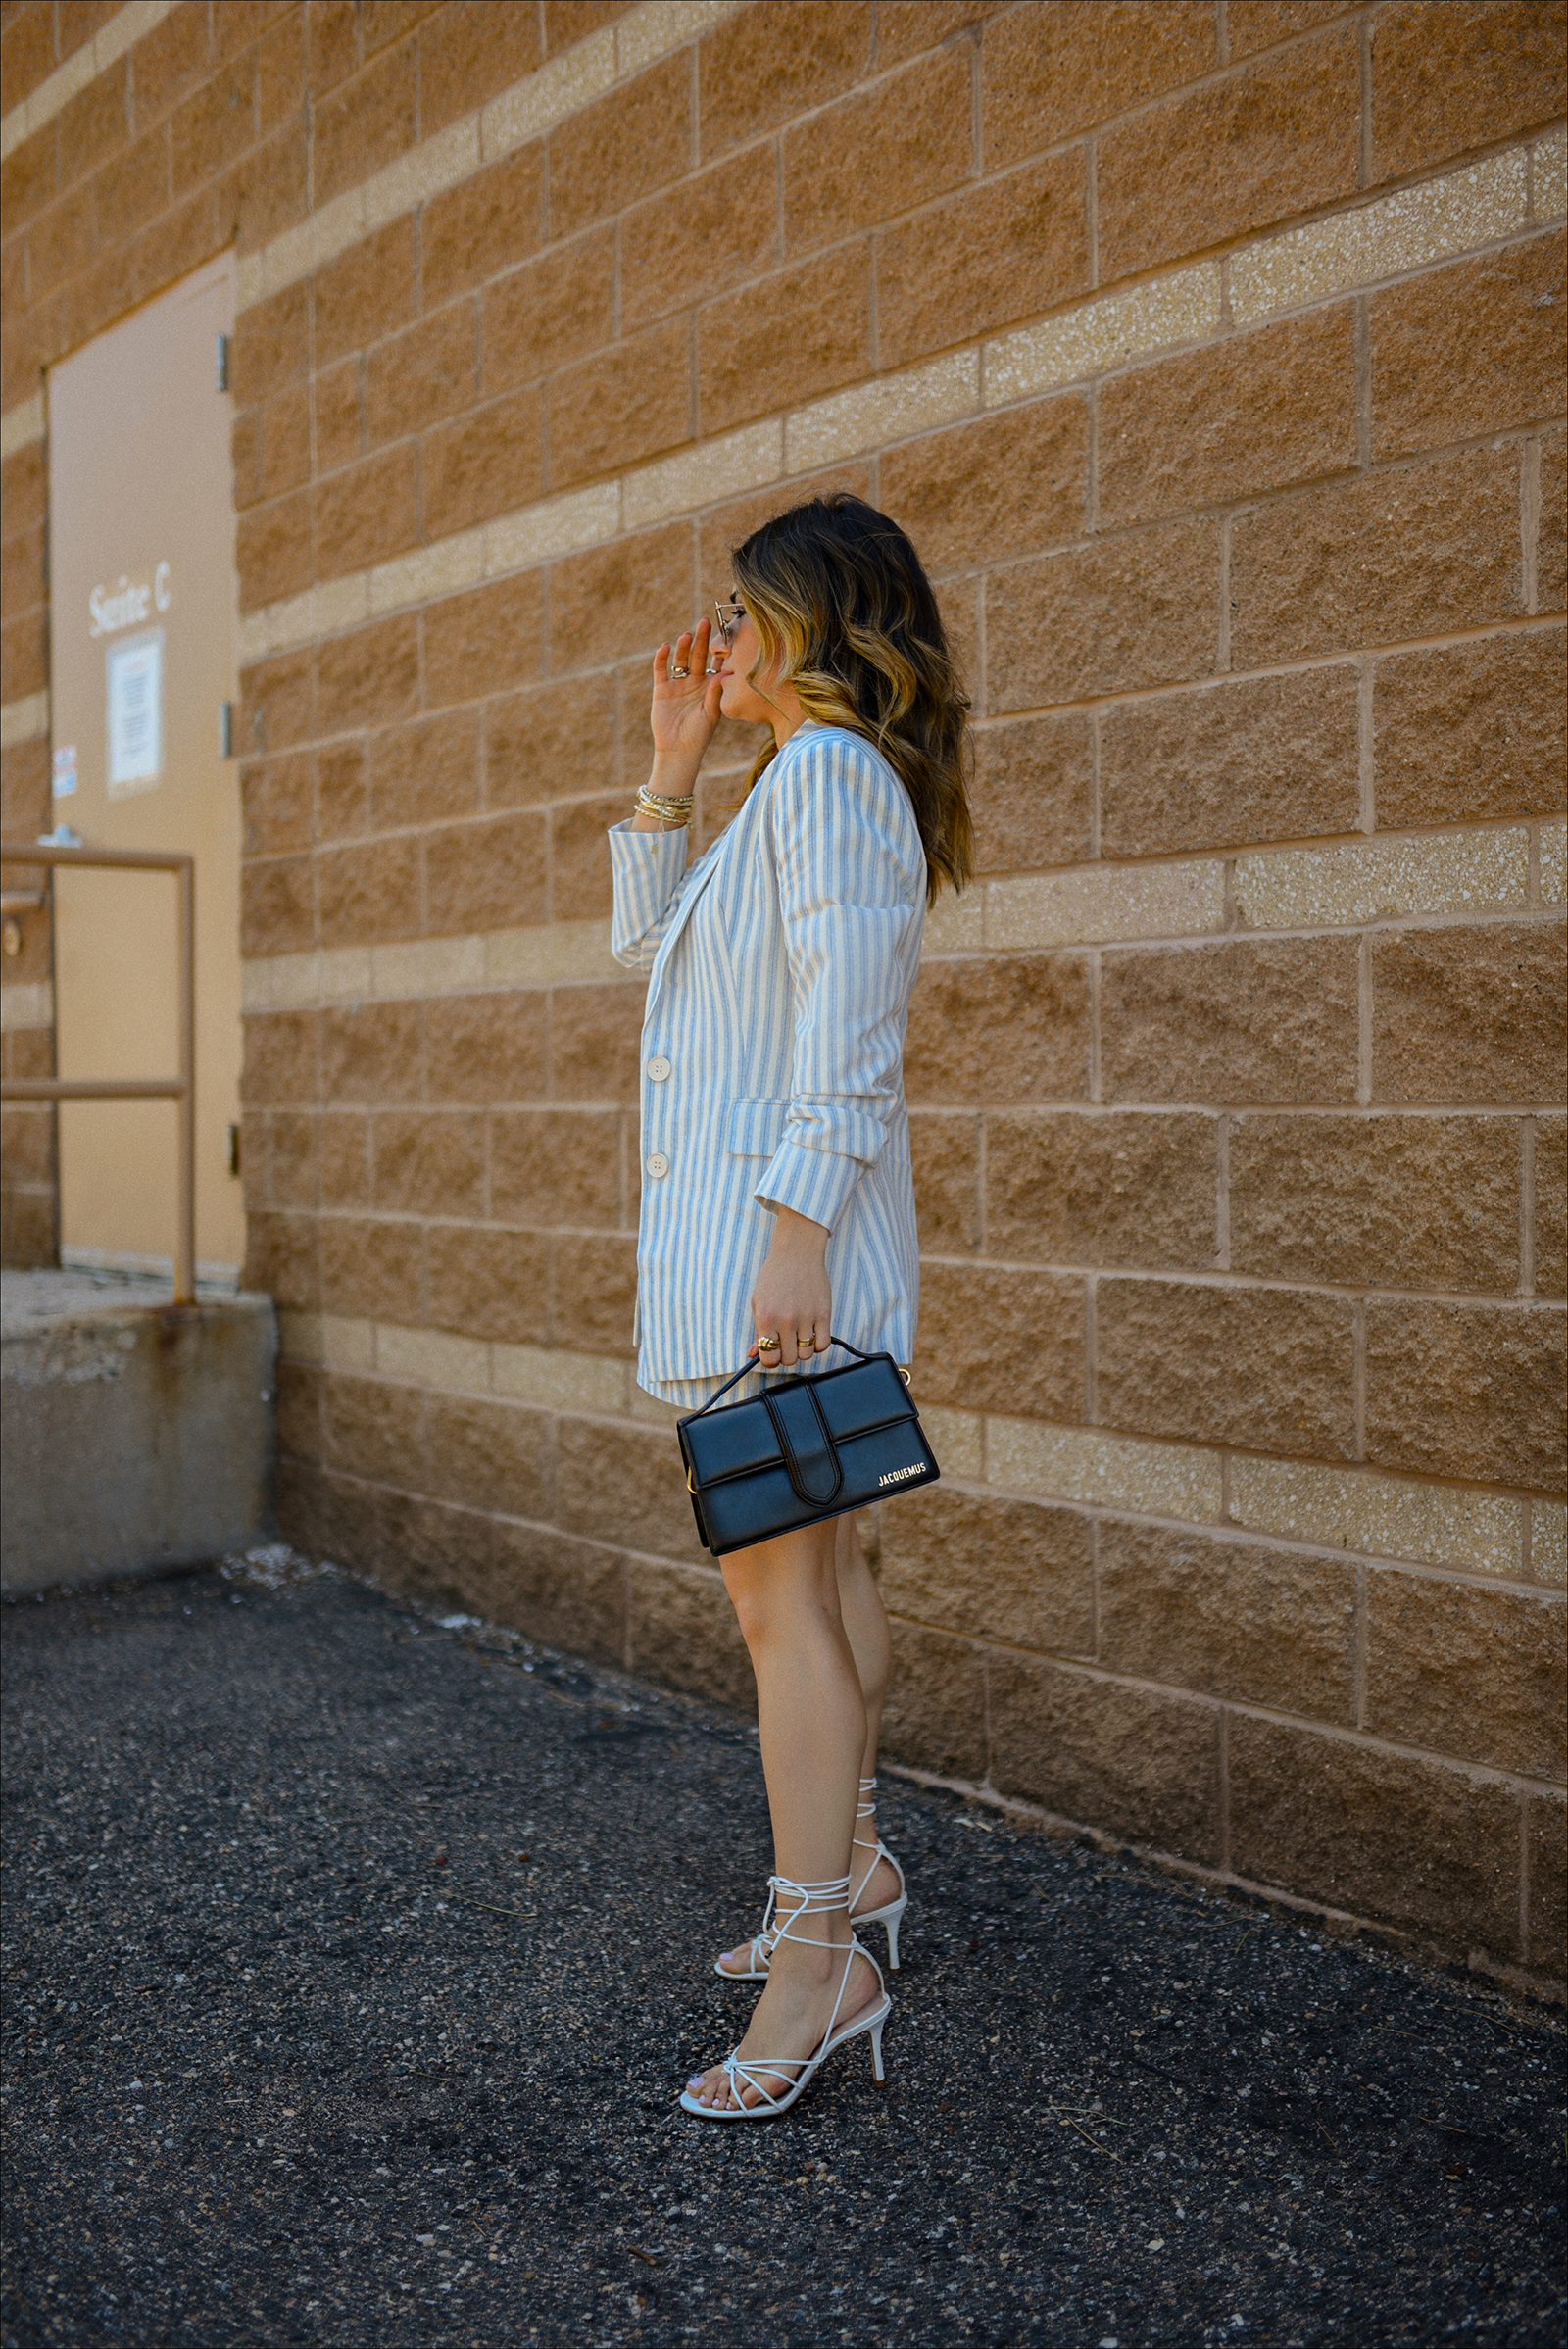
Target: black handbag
[802,1450]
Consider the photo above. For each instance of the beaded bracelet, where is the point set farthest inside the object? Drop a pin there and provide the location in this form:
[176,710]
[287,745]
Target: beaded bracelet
[673,811]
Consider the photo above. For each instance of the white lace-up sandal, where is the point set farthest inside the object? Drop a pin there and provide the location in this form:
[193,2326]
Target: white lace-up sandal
[754,2071]
[889,1916]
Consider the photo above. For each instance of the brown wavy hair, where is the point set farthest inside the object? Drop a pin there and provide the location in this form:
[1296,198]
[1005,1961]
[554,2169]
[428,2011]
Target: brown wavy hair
[837,589]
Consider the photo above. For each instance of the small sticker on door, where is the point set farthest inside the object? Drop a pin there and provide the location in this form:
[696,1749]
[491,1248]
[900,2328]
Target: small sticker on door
[64,770]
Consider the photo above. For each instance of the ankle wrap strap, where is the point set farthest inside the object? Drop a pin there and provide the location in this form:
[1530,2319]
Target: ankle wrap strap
[829,1898]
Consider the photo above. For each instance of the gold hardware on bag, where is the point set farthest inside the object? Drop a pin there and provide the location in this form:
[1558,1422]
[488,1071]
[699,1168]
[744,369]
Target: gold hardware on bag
[690,1487]
[904,1374]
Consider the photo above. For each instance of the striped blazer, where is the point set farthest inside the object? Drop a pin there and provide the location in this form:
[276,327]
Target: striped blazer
[772,1051]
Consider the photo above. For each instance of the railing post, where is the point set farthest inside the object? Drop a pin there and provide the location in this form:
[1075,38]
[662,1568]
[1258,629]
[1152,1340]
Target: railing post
[185,1223]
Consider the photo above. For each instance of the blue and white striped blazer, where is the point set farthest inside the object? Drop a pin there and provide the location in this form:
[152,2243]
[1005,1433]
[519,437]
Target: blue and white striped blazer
[772,1051]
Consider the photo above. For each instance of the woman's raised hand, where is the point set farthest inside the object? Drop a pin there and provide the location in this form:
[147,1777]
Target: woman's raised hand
[685,708]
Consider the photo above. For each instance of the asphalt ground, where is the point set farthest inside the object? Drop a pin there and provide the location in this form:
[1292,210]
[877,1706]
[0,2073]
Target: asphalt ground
[352,1965]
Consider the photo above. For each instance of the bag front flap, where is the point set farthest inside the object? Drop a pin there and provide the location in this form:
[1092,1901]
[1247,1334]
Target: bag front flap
[807,1445]
[738,1439]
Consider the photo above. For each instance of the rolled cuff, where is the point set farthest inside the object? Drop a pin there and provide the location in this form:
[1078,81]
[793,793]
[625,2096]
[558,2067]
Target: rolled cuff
[817,1184]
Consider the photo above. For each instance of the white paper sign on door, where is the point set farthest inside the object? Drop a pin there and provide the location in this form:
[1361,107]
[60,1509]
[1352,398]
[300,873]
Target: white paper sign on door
[134,672]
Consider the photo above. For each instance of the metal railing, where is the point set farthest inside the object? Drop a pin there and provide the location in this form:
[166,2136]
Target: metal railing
[181,1088]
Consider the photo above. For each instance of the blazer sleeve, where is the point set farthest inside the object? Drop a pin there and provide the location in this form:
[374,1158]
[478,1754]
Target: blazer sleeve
[851,894]
[648,869]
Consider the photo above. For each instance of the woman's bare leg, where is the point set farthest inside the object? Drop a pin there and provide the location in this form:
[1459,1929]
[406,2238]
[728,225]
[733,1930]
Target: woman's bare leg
[811,1716]
[865,1626]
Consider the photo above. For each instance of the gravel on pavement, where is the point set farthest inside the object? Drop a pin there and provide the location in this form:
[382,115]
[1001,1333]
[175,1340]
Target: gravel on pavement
[353,1961]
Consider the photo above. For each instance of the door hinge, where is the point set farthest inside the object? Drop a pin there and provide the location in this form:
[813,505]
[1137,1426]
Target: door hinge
[226,730]
[220,360]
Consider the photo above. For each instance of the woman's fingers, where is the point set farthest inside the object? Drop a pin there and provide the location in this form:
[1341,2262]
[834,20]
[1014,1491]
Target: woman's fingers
[661,666]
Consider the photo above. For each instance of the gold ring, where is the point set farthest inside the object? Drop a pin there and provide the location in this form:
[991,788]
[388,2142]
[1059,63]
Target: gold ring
[680,672]
[767,1345]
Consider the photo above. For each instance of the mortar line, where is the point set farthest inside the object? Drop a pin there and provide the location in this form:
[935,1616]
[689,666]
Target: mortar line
[1366,742]
[1530,525]
[1362,344]
[1363,1003]
[1527,1206]
[1222,1790]
[1222,1193]
[1358,1357]
[1358,1705]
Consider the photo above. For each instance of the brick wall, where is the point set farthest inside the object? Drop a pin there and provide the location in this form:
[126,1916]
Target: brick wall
[1213,354]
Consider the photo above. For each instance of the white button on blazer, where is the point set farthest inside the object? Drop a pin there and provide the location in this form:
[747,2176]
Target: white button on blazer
[772,1054]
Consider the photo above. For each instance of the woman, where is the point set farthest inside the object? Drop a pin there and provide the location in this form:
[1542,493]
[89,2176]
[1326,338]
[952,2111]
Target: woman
[777,1205]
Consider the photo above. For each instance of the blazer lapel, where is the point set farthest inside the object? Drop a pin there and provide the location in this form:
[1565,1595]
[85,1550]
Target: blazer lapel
[683,913]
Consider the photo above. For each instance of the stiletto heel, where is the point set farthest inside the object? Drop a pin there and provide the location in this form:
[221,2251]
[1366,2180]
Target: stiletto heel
[798,2071]
[889,1916]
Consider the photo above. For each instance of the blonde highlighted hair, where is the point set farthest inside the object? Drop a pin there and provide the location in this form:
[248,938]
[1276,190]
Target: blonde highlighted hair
[841,606]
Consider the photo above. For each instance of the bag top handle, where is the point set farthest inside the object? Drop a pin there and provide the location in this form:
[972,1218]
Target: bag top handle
[758,1364]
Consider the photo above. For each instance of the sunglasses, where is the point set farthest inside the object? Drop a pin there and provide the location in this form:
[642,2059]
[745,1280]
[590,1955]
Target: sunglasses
[730,617]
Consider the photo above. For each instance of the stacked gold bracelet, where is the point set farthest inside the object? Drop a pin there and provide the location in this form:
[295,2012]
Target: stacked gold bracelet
[665,811]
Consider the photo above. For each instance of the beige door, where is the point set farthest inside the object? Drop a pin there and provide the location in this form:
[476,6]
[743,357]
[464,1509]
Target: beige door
[142,590]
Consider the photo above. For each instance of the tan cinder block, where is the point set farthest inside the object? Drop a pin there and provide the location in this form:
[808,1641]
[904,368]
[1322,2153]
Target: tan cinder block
[979,492]
[635,139]
[497,1457]
[292,1159]
[1229,1618]
[1466,1391]
[1271,1369]
[486,223]
[1423,1844]
[1469,349]
[1136,1762]
[372,1429]
[424,770]
[278,802]
[371,1052]
[550,740]
[347,1343]
[1551,1208]
[550,312]
[1033,1011]
[1104,902]
[621,405]
[430,1358]
[280,1058]
[709,239]
[1553,855]
[1208,426]
[479,643]
[487,1282]
[1010,1570]
[327,1516]
[1399,1203]
[830,48]
[906,27]
[570,1594]
[299,1411]
[1048,72]
[368,513]
[487,875]
[935,1714]
[1471,731]
[299,1336]
[277,905]
[1448,79]
[345,1159]
[800,333]
[579,866]
[427,966]
[426,373]
[1473,1673]
[625,1485]
[595,1291]
[945,1147]
[1030,795]
[1077,1188]
[1359,882]
[978,261]
[559,1380]
[366,678]
[1265,757]
[483,1047]
[1385,1516]
[682,1631]
[1159,1480]
[553,1166]
[1270,140]
[1407,230]
[1264,1021]
[1468,1014]
[476,466]
[1547,1939]
[619,598]
[433,1552]
[428,1166]
[1551,543]
[596,1044]
[1549,171]
[877,153]
[369,1270]
[1123,613]
[1391,555]
[1000,1340]
[736,461]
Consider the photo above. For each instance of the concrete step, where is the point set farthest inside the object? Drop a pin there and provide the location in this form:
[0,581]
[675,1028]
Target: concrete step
[135,1434]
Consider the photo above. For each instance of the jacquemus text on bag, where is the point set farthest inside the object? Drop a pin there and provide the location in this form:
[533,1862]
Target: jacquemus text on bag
[802,1450]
